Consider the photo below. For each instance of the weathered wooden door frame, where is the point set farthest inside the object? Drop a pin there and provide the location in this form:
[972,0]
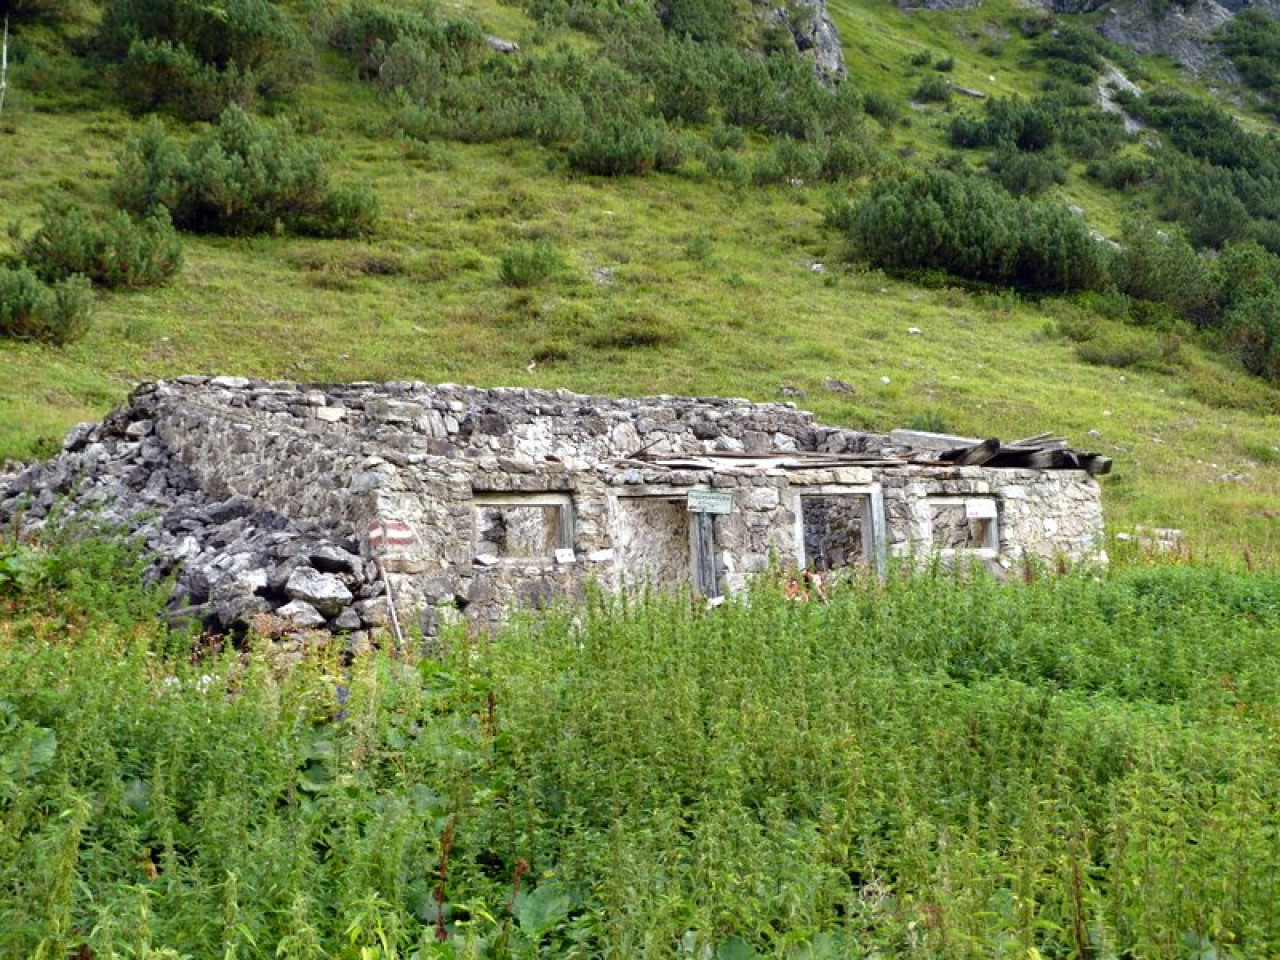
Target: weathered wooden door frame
[874,534]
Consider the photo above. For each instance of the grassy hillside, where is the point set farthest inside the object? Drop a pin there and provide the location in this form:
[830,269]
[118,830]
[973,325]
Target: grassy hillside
[679,282]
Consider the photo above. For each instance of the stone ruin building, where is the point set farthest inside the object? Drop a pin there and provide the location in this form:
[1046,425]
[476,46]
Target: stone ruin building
[359,506]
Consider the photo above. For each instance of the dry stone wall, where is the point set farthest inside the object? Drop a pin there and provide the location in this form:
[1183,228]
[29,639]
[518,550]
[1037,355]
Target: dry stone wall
[325,505]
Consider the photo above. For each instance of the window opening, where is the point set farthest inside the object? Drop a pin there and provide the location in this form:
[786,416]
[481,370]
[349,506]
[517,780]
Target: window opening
[651,542]
[659,542]
[836,530]
[967,524]
[522,527]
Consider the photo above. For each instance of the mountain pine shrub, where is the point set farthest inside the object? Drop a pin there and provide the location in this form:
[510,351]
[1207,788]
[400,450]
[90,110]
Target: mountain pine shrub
[1009,121]
[789,161]
[241,177]
[1249,296]
[1027,174]
[618,146]
[1252,327]
[933,89]
[407,49]
[156,75]
[32,310]
[194,58]
[1252,40]
[112,251]
[967,227]
[1162,267]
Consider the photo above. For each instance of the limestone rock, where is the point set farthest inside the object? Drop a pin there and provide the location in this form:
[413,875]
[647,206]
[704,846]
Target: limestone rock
[1183,33]
[324,591]
[301,615]
[499,45]
[347,620]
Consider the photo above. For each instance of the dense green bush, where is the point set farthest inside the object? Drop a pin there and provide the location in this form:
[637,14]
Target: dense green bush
[937,220]
[1122,171]
[609,109]
[506,99]
[1073,52]
[1207,131]
[1252,40]
[1010,122]
[527,264]
[408,49]
[112,251]
[1162,267]
[240,177]
[618,146]
[155,75]
[798,161]
[1027,174]
[1091,133]
[883,106]
[789,161]
[933,89]
[681,75]
[1252,328]
[1250,307]
[848,157]
[713,22]
[194,58]
[31,310]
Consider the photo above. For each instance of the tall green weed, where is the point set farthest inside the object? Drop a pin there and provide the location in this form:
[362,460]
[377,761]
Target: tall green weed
[938,764]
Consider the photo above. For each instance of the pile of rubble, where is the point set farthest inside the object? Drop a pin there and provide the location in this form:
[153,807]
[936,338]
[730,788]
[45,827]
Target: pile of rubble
[230,559]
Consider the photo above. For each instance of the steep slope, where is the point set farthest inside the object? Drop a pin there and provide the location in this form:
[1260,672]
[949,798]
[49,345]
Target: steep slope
[680,282]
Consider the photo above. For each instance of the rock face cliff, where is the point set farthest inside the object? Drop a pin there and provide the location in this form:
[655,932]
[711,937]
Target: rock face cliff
[815,36]
[1182,31]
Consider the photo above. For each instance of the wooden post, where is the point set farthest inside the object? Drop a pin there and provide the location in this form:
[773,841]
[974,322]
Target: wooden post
[702,551]
[879,546]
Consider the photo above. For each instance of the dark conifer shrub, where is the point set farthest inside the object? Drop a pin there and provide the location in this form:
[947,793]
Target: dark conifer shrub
[33,310]
[241,177]
[194,58]
[966,226]
[112,251]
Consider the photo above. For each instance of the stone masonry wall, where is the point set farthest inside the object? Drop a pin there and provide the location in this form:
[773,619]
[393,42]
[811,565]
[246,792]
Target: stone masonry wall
[322,504]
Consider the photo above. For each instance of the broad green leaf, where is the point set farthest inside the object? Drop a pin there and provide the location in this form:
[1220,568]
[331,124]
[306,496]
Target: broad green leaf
[44,746]
[735,948]
[540,910]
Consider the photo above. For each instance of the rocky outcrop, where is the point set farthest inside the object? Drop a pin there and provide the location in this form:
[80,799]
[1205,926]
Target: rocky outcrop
[1110,84]
[815,35]
[1181,32]
[939,4]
